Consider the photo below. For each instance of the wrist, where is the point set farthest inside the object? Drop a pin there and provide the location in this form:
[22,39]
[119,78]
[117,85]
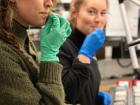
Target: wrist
[87,53]
[52,58]
[83,59]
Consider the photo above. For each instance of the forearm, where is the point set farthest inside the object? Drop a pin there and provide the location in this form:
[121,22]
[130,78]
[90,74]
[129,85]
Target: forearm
[50,83]
[75,79]
[18,89]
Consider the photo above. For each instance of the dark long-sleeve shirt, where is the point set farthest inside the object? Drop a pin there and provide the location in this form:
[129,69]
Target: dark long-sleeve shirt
[81,81]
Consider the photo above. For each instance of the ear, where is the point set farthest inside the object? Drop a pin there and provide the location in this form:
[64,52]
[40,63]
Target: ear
[74,12]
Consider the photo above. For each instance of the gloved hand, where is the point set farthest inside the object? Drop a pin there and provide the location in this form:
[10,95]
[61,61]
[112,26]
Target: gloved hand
[103,98]
[92,43]
[52,36]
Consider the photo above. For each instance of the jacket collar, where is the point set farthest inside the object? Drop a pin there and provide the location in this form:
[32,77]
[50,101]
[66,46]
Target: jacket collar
[20,32]
[77,37]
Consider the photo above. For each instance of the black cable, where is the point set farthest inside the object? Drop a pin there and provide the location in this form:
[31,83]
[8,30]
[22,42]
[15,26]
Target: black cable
[122,55]
[122,65]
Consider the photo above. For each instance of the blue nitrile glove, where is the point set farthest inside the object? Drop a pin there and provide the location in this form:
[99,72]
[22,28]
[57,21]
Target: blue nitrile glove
[92,43]
[52,36]
[104,98]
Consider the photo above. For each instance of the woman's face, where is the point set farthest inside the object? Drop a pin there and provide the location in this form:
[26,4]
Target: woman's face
[32,12]
[91,15]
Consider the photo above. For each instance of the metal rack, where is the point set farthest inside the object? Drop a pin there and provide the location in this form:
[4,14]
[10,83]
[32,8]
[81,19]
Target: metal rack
[129,38]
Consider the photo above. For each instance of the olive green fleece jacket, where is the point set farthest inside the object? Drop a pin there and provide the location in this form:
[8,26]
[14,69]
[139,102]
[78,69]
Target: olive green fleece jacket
[22,80]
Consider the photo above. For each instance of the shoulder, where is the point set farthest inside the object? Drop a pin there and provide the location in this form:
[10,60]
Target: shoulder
[4,46]
[68,49]
[7,51]
[68,46]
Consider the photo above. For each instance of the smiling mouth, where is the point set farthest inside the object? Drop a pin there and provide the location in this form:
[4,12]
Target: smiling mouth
[95,27]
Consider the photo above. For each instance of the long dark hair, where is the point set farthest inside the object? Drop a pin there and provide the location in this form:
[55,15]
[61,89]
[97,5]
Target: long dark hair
[6,18]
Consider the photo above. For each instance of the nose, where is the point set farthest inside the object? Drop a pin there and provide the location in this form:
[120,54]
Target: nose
[98,17]
[48,3]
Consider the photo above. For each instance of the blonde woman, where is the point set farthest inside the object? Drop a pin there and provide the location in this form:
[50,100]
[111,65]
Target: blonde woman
[81,77]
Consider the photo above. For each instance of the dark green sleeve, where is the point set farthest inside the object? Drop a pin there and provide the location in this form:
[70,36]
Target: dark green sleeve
[50,83]
[16,88]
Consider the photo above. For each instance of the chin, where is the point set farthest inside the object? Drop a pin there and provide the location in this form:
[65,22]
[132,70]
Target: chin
[91,30]
[39,24]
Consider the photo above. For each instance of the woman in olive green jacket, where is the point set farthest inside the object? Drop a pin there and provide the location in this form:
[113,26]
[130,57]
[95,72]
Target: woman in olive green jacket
[24,81]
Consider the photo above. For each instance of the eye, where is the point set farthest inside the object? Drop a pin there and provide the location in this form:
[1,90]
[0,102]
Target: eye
[92,12]
[104,13]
